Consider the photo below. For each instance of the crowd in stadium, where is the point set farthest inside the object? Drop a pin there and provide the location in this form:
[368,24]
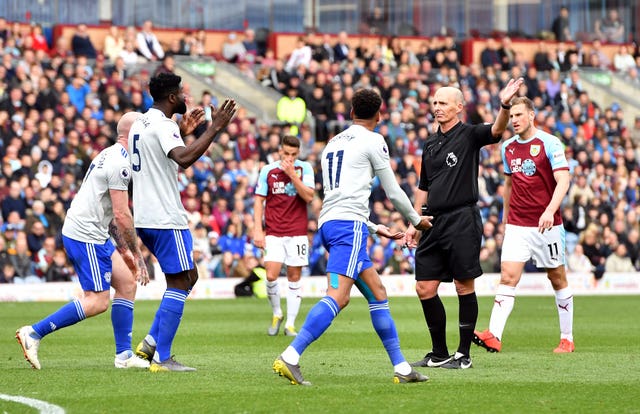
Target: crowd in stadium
[59,107]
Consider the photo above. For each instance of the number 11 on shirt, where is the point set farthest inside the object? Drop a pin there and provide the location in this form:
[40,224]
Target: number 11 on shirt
[335,183]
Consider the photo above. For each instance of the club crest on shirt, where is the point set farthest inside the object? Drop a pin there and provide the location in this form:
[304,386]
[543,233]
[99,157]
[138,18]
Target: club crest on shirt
[452,159]
[534,150]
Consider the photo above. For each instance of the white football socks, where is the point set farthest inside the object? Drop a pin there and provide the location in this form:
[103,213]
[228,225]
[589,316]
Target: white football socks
[564,303]
[502,307]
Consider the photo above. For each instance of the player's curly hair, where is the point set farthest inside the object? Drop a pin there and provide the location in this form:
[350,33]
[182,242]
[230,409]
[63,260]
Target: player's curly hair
[161,86]
[366,103]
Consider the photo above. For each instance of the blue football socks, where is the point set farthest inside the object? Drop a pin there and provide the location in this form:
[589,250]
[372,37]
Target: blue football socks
[122,322]
[68,315]
[386,328]
[318,320]
[169,315]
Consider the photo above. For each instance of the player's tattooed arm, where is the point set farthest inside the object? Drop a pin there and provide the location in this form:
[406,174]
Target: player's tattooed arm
[125,240]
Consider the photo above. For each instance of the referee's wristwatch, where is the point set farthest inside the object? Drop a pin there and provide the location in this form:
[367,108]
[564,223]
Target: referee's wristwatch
[505,106]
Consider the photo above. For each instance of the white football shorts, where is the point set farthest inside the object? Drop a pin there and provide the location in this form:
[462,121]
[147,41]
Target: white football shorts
[292,251]
[523,243]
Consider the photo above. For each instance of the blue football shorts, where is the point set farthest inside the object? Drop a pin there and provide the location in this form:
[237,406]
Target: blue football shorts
[346,242]
[92,263]
[172,247]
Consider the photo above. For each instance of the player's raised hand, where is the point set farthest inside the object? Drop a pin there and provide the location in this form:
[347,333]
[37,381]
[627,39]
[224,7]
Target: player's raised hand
[222,116]
[191,120]
[385,231]
[510,90]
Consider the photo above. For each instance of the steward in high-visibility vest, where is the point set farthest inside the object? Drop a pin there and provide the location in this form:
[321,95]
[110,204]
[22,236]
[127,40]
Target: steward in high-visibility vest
[292,109]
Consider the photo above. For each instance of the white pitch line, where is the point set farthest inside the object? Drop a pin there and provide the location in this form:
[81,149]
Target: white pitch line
[42,406]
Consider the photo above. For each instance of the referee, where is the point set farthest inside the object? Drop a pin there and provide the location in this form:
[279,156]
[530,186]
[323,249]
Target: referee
[450,250]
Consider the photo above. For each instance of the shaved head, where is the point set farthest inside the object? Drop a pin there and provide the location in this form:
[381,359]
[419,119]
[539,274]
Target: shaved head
[449,93]
[448,103]
[125,122]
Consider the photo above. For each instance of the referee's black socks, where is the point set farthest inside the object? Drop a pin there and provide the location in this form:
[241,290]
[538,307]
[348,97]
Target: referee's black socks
[468,316]
[436,318]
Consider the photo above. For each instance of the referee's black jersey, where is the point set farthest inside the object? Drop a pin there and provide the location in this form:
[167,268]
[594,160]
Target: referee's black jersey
[449,170]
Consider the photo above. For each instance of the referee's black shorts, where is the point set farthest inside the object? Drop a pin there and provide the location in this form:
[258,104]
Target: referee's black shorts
[451,248]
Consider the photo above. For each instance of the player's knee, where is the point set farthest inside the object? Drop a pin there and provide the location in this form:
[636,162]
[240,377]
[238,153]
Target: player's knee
[127,289]
[425,290]
[343,302]
[96,305]
[508,279]
[558,278]
[509,276]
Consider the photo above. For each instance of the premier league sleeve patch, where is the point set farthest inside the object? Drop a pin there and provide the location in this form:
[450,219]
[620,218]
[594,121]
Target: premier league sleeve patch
[125,174]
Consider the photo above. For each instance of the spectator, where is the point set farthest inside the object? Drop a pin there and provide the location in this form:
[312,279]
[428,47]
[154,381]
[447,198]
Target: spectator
[541,58]
[81,44]
[15,201]
[168,66]
[113,43]
[36,237]
[506,53]
[597,57]
[200,43]
[560,26]
[148,44]
[300,56]
[129,55]
[37,40]
[232,49]
[619,261]
[187,44]
[78,90]
[578,262]
[60,270]
[250,46]
[593,249]
[622,60]
[4,30]
[610,29]
[20,258]
[233,240]
[489,57]
[44,257]
[8,273]
[376,22]
[226,266]
[341,48]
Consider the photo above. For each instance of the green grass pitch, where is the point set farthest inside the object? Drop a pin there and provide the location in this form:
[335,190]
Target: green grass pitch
[226,340]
